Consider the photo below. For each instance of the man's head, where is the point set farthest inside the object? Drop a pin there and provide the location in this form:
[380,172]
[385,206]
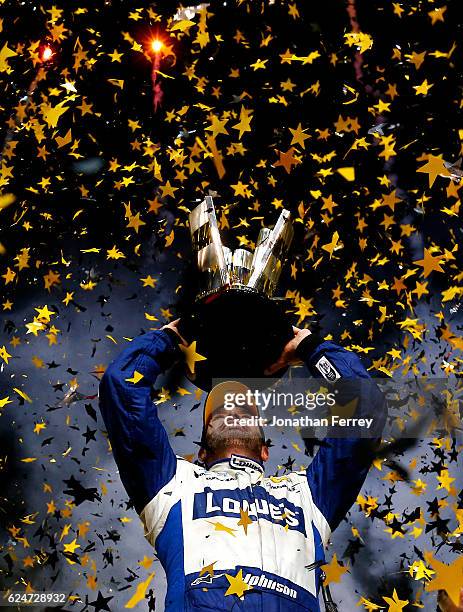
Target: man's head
[231,425]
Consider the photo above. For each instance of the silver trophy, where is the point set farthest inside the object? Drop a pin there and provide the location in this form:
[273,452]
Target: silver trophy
[220,268]
[238,324]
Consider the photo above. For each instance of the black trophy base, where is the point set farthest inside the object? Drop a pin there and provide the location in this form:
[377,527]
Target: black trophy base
[240,331]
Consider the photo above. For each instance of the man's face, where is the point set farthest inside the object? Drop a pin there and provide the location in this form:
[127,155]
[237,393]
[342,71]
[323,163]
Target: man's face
[224,432]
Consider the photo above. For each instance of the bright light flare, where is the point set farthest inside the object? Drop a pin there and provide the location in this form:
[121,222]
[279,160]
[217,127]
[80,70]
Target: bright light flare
[47,54]
[157,45]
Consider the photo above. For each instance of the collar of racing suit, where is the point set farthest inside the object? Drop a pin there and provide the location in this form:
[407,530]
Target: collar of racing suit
[239,463]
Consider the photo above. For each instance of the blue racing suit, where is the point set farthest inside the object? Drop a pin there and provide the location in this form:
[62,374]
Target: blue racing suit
[228,537]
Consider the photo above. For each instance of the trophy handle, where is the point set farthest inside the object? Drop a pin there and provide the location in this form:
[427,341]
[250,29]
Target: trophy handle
[270,248]
[207,243]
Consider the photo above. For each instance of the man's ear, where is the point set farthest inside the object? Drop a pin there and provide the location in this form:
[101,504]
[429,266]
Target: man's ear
[264,453]
[202,455]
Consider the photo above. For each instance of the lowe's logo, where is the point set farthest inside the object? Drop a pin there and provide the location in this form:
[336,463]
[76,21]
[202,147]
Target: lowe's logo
[257,502]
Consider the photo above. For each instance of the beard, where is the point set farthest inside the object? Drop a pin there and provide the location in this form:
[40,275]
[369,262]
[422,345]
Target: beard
[244,438]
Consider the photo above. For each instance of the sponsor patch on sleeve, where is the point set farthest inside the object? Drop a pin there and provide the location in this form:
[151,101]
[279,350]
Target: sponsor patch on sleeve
[327,369]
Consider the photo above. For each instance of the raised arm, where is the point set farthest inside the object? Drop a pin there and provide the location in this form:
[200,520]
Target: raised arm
[139,442]
[341,464]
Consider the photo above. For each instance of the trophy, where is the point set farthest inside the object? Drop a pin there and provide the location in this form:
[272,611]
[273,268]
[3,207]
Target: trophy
[235,320]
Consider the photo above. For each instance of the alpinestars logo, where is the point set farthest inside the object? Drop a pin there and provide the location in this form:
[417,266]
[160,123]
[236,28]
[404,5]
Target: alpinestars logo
[327,369]
[207,579]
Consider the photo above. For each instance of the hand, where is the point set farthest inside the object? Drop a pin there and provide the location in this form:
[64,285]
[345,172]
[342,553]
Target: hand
[288,355]
[445,603]
[173,326]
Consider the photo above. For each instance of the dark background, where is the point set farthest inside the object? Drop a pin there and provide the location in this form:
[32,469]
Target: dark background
[46,501]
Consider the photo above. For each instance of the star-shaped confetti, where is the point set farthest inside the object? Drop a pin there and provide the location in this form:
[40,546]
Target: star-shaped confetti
[191,356]
[333,570]
[237,585]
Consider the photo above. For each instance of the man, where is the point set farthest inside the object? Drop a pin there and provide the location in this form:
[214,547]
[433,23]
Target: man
[228,537]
